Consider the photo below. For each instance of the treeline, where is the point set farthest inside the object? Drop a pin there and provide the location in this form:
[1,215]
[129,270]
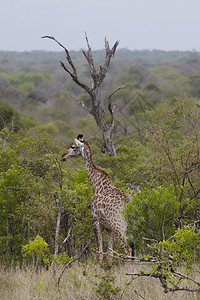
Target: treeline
[157,131]
[35,84]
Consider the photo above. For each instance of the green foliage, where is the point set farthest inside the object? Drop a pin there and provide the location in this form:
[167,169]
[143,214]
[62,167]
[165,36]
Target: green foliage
[58,109]
[49,128]
[156,138]
[79,196]
[194,81]
[168,78]
[183,247]
[152,86]
[38,250]
[22,78]
[106,287]
[14,193]
[87,124]
[61,259]
[123,169]
[9,117]
[152,215]
[26,187]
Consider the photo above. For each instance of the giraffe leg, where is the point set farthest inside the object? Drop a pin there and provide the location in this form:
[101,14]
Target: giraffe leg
[121,237]
[98,230]
[110,246]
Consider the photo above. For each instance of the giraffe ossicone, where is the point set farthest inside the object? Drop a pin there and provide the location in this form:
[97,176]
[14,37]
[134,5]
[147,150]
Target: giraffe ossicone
[107,203]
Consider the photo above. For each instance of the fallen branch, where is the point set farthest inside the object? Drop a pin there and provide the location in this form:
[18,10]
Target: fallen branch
[164,283]
[118,256]
[183,276]
[135,260]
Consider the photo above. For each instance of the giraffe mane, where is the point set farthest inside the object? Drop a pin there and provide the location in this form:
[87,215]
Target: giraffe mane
[97,167]
[89,149]
[102,171]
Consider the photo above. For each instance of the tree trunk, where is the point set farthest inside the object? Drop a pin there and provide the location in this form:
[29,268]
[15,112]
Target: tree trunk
[98,113]
[109,145]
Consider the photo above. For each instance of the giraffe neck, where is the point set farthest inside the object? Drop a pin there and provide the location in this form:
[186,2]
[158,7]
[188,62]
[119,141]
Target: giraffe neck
[98,177]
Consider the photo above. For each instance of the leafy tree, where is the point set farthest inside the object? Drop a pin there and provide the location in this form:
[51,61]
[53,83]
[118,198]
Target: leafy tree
[38,250]
[152,86]
[23,184]
[173,137]
[9,117]
[15,185]
[22,78]
[194,81]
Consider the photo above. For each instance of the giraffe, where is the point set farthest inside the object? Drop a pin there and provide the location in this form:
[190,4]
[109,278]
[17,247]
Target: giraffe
[107,203]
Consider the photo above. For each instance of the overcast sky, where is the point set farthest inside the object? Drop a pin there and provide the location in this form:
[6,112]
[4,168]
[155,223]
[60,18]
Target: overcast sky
[137,24]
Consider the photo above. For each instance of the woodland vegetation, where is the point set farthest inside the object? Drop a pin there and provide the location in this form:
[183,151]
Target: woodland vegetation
[157,142]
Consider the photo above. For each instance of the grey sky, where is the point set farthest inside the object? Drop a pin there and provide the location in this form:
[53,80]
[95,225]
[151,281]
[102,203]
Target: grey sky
[138,24]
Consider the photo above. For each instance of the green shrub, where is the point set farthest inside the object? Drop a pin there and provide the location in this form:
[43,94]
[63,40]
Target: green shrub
[152,215]
[183,247]
[38,250]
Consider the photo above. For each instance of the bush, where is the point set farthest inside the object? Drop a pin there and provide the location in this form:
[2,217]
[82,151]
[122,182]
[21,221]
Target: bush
[183,247]
[37,249]
[152,215]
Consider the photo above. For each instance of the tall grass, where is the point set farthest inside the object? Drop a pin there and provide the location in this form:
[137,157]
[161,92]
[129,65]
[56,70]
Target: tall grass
[81,282]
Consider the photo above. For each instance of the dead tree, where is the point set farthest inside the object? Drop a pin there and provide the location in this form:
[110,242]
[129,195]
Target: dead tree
[97,107]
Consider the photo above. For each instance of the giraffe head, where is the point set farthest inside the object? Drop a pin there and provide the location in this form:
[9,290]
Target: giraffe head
[75,149]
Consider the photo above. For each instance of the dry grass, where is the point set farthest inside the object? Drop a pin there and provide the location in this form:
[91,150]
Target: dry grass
[26,283]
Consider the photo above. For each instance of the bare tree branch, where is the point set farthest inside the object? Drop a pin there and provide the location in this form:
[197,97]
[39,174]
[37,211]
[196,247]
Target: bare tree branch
[109,55]
[89,58]
[136,261]
[66,51]
[68,57]
[164,283]
[97,107]
[118,89]
[112,107]
[186,277]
